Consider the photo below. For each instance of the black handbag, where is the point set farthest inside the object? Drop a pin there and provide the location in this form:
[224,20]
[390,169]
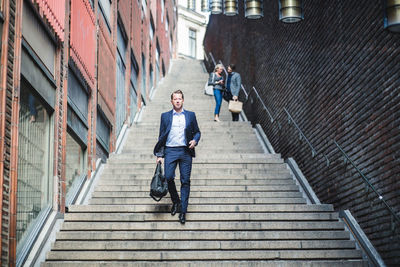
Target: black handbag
[158,185]
[227,95]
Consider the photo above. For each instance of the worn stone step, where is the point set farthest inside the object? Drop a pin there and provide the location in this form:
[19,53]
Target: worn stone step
[216,263]
[233,176]
[203,208]
[201,245]
[199,158]
[203,235]
[205,255]
[202,194]
[199,225]
[200,171]
[125,159]
[198,216]
[194,200]
[195,182]
[129,188]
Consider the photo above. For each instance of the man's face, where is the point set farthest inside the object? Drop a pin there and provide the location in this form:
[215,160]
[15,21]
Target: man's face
[229,70]
[177,101]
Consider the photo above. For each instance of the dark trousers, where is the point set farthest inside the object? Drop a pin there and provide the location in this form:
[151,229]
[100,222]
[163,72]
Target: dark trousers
[235,116]
[173,156]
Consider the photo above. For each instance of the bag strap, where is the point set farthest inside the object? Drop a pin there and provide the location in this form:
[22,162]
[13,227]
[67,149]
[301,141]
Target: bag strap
[158,200]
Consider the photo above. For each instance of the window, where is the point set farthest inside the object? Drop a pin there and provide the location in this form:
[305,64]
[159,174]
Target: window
[75,167]
[166,24]
[151,29]
[105,8]
[162,10]
[143,78]
[144,8]
[120,86]
[192,43]
[191,4]
[35,179]
[151,78]
[102,135]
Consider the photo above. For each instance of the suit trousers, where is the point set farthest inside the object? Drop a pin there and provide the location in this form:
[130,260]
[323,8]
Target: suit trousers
[172,157]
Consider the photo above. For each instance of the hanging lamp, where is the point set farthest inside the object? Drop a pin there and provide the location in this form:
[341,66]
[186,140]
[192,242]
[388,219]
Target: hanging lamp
[216,7]
[290,11]
[231,7]
[253,9]
[392,15]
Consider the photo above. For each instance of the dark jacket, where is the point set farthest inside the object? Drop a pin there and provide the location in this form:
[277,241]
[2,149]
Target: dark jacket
[192,132]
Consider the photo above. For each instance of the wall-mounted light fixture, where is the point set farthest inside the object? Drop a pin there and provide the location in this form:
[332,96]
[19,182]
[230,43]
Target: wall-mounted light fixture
[216,7]
[253,9]
[290,11]
[204,5]
[231,7]
[392,15]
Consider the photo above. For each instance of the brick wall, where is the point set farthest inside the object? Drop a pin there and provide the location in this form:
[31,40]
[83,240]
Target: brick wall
[338,74]
[5,137]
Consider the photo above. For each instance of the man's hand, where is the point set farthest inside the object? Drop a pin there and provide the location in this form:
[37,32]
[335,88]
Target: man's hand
[235,97]
[160,159]
[192,144]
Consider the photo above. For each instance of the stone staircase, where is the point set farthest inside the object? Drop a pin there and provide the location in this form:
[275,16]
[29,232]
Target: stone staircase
[245,208]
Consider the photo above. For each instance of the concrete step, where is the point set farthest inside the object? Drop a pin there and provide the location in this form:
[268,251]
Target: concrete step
[198,216]
[216,263]
[201,245]
[299,254]
[203,235]
[126,159]
[198,176]
[193,200]
[202,194]
[201,188]
[200,171]
[203,182]
[237,208]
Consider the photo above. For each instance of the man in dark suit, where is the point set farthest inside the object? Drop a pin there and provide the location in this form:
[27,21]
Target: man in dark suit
[179,134]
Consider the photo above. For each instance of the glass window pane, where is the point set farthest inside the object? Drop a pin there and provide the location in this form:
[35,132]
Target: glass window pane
[75,163]
[35,183]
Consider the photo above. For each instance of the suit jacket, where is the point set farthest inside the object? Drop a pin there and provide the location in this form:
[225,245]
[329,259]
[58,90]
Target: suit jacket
[236,83]
[192,132]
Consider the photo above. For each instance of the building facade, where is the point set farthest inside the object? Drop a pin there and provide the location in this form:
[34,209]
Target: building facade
[75,74]
[192,26]
[336,75]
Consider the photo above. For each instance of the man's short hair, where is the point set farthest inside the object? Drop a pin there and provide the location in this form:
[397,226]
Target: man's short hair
[232,66]
[177,92]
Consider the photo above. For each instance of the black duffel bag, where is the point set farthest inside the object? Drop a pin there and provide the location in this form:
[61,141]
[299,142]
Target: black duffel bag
[158,186]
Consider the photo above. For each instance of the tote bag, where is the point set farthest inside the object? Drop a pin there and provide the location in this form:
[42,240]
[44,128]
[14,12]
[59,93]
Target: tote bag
[235,106]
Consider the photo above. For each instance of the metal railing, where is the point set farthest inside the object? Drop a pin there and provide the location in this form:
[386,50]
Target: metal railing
[394,217]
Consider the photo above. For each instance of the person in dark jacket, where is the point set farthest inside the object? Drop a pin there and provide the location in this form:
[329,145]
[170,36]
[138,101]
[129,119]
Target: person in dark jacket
[217,81]
[179,134]
[233,84]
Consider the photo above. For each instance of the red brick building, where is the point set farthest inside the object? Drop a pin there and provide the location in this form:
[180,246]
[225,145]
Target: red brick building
[74,75]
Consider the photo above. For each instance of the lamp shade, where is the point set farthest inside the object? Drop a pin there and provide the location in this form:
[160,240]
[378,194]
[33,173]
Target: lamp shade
[204,5]
[392,15]
[290,11]
[216,6]
[253,9]
[231,7]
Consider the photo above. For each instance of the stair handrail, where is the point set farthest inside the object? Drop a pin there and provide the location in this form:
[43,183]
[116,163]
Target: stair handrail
[369,185]
[212,58]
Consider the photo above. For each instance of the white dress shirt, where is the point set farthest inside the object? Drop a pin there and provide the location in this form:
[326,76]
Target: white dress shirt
[176,136]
